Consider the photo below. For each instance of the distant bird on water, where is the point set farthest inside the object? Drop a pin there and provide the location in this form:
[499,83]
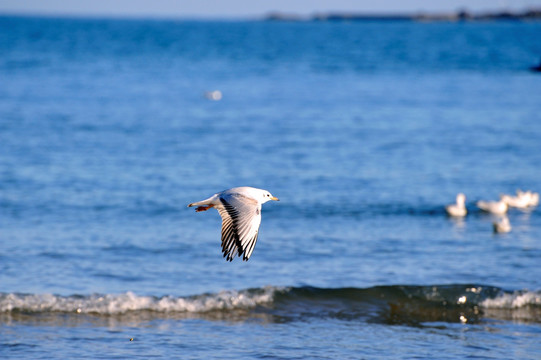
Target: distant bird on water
[502,226]
[493,207]
[521,200]
[240,209]
[458,209]
[215,95]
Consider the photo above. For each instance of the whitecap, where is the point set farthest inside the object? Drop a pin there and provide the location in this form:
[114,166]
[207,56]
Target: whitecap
[113,304]
[515,300]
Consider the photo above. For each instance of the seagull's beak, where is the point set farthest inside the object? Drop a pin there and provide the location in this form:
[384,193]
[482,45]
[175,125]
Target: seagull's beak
[274,198]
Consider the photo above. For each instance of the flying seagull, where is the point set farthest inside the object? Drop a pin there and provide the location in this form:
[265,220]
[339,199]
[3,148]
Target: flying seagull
[240,209]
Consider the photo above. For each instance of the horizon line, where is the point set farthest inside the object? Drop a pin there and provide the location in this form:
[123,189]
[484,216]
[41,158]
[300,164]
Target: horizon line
[280,15]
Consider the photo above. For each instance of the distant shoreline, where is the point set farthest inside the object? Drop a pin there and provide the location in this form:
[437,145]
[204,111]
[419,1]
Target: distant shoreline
[530,14]
[463,15]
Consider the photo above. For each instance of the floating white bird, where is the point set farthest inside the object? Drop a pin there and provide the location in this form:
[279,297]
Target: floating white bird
[458,209]
[240,209]
[521,200]
[493,207]
[502,226]
[215,95]
[532,197]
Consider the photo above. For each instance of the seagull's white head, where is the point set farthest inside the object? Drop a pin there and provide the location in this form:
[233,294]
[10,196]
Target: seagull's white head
[267,196]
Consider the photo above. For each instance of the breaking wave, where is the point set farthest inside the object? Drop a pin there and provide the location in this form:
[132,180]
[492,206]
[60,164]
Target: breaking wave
[399,304]
[112,304]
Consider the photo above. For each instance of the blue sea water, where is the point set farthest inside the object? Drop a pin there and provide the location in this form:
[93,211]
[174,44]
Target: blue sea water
[364,130]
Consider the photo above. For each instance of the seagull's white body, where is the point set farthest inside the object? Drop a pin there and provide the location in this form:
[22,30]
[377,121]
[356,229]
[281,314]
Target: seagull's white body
[240,209]
[521,200]
[459,208]
[516,201]
[531,197]
[502,226]
[493,207]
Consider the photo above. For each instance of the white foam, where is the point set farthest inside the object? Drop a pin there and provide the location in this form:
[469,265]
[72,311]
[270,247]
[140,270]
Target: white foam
[514,300]
[121,303]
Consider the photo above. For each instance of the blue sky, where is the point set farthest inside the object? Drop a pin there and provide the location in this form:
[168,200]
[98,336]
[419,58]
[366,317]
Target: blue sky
[248,8]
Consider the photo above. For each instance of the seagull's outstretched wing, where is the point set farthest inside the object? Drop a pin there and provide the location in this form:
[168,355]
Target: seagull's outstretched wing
[241,217]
